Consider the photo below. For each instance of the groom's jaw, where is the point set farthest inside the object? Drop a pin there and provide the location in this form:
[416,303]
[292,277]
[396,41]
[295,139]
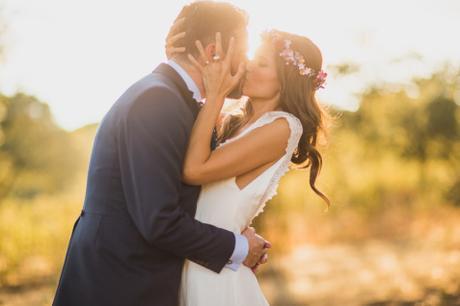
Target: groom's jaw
[193,73]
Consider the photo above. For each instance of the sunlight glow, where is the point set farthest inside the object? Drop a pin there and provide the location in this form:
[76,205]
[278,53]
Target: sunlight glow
[79,56]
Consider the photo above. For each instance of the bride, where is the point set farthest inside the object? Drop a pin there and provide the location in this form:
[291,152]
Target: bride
[279,124]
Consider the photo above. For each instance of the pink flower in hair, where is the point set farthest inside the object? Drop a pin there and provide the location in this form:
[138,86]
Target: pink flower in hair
[320,79]
[296,59]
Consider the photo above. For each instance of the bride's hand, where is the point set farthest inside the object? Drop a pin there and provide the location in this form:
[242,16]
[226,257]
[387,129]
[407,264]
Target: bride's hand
[217,75]
[173,36]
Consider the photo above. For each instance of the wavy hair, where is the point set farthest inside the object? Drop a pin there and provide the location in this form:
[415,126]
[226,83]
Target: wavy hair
[297,96]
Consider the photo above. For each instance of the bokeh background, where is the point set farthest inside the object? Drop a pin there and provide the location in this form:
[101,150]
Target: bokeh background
[391,160]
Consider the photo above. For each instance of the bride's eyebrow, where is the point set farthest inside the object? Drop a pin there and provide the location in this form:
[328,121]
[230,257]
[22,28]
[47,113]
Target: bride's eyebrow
[263,57]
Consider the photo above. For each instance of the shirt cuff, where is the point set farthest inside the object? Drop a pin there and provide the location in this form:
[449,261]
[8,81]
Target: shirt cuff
[239,253]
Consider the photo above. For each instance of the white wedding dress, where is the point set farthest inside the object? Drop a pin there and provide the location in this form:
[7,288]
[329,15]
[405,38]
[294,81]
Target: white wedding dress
[224,205]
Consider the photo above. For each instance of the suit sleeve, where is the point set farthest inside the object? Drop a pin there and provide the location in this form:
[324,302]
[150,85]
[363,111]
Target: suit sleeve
[152,140]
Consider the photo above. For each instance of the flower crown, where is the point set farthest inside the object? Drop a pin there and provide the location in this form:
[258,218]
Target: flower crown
[296,59]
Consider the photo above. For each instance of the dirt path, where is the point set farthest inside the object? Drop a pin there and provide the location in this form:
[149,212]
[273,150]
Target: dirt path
[375,273]
[35,294]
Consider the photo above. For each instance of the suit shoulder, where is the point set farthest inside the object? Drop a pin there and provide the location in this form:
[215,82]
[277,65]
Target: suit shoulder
[154,96]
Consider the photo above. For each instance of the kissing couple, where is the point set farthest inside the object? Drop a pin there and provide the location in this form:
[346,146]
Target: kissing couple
[174,183]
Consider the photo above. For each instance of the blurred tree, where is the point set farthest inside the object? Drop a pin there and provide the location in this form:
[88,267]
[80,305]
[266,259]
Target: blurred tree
[414,125]
[420,127]
[380,118]
[432,127]
[36,156]
[443,129]
[442,125]
[344,69]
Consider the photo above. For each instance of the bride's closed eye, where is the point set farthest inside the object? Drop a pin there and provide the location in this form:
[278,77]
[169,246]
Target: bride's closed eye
[262,64]
[261,61]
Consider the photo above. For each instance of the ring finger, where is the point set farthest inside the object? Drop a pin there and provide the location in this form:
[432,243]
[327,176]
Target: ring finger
[201,51]
[219,51]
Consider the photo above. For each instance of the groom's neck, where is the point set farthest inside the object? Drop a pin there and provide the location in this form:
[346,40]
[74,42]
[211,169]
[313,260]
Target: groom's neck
[194,74]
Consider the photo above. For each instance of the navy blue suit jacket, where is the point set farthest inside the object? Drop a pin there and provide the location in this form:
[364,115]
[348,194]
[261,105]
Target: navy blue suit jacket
[137,224]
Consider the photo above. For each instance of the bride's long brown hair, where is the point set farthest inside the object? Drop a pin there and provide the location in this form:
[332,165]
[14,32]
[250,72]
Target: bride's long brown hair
[297,96]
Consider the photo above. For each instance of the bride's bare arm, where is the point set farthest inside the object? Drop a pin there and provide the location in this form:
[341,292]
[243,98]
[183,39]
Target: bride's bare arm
[260,146]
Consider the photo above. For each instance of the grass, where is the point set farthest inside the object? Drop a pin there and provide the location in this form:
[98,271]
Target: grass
[383,242]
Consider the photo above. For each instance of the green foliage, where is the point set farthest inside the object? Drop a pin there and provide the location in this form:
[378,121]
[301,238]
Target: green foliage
[33,237]
[344,69]
[34,151]
[394,159]
[423,127]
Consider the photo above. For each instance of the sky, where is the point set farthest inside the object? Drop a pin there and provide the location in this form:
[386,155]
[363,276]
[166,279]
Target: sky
[80,56]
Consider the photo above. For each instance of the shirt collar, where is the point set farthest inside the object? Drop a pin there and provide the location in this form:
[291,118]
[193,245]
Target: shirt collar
[191,85]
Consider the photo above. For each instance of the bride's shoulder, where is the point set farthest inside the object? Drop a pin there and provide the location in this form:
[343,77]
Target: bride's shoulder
[294,123]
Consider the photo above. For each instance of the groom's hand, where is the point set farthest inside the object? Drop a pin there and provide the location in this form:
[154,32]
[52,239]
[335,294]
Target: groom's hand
[258,247]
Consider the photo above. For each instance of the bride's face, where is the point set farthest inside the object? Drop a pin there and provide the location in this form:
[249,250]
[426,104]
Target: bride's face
[262,78]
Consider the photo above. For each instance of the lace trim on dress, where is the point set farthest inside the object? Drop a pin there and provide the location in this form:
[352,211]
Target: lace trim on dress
[296,132]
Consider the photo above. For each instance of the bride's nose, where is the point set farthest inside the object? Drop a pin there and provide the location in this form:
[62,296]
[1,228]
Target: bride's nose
[249,66]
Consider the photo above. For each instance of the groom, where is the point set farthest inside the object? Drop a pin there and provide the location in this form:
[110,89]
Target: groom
[137,224]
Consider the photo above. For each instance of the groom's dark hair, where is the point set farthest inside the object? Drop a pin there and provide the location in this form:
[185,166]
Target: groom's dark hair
[204,18]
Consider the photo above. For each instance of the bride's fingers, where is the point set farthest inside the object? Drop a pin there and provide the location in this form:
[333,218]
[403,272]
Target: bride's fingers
[179,49]
[230,50]
[177,24]
[219,50]
[263,259]
[170,51]
[170,41]
[173,31]
[170,48]
[195,63]
[240,73]
[200,48]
